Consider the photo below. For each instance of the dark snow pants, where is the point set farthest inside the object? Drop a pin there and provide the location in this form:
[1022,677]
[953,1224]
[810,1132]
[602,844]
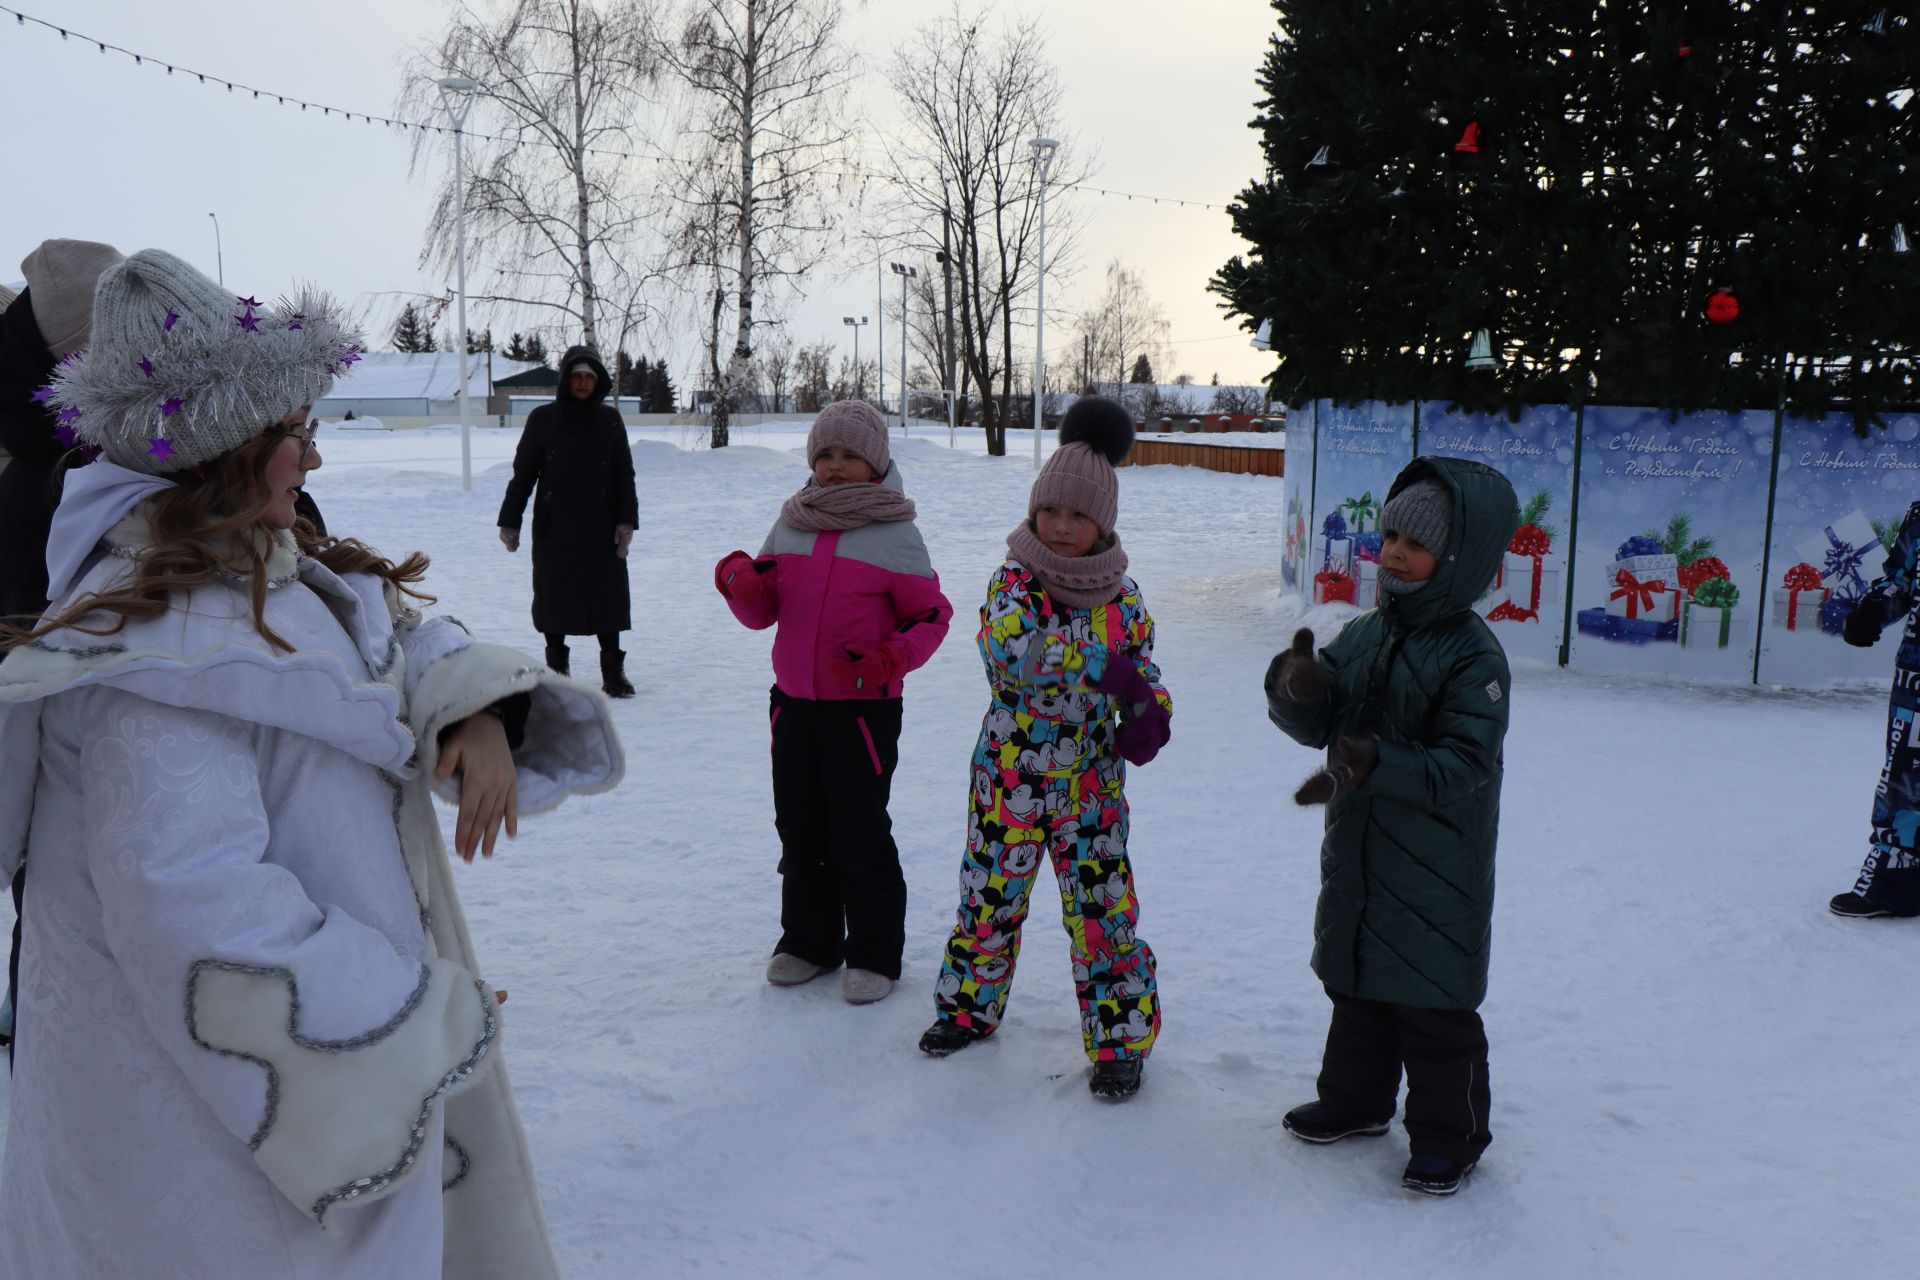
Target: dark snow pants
[1891,876]
[842,897]
[1444,1052]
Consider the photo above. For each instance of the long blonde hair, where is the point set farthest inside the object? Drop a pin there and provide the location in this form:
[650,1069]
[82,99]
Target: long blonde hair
[195,524]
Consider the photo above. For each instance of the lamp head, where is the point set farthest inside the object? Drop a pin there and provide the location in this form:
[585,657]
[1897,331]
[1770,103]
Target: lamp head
[458,84]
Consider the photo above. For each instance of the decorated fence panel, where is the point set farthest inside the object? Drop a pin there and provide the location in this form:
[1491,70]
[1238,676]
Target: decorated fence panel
[1720,546]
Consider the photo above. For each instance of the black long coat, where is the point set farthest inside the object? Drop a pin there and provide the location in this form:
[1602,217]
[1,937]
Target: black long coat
[576,452]
[26,485]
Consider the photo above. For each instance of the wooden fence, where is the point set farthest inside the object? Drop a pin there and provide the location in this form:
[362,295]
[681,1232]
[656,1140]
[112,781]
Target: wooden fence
[1238,459]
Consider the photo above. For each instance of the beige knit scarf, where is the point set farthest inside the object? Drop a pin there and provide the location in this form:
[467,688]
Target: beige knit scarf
[818,508]
[1079,582]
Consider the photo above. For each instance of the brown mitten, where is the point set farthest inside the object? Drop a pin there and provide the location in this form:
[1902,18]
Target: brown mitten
[1295,674]
[1353,763]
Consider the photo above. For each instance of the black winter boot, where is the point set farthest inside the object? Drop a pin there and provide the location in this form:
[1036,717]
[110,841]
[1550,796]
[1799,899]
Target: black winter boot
[558,658]
[1435,1175]
[1117,1079]
[943,1038]
[613,674]
[1318,1123]
[1854,907]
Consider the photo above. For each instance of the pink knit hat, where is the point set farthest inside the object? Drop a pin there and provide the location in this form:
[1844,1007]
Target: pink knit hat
[1095,434]
[855,425]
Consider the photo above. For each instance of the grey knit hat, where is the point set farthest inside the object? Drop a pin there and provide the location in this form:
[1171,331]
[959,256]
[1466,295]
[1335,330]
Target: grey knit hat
[1422,511]
[61,275]
[855,425]
[179,371]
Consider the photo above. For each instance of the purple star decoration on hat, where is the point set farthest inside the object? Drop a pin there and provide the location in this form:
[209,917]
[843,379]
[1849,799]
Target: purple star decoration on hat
[173,319]
[146,366]
[171,405]
[67,436]
[160,447]
[294,321]
[248,303]
[249,322]
[67,415]
[43,395]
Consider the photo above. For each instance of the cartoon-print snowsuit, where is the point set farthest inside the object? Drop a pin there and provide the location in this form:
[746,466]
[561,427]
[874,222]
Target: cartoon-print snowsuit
[1890,877]
[1047,784]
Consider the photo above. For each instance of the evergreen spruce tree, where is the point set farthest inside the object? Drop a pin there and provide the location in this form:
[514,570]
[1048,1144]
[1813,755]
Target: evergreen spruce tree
[536,349]
[411,332]
[516,348]
[1142,370]
[1577,179]
[660,392]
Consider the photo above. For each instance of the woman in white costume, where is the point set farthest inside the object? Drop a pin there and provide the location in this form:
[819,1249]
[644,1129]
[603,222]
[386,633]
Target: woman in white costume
[262,1045]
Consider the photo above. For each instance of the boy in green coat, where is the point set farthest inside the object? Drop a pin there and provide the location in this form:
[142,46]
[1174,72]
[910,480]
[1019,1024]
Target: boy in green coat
[1411,702]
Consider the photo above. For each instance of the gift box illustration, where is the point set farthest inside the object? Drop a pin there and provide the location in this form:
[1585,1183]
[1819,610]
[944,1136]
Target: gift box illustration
[1366,584]
[1338,540]
[1527,579]
[1834,614]
[1643,601]
[1707,621]
[1332,587]
[1798,598]
[1841,553]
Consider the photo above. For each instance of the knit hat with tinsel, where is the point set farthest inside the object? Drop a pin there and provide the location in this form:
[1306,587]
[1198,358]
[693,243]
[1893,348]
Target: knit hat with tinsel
[855,425]
[179,371]
[1096,434]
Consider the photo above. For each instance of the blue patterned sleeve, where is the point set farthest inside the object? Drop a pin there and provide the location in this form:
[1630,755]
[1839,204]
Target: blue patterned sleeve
[1894,587]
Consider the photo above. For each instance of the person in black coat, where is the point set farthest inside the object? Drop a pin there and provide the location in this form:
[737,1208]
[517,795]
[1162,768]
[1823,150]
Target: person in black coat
[575,450]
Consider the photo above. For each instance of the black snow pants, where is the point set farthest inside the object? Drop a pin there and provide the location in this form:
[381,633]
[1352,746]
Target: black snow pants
[842,897]
[1444,1052]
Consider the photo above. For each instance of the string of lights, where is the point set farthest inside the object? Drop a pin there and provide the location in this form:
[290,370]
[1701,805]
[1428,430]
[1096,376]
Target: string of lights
[330,111]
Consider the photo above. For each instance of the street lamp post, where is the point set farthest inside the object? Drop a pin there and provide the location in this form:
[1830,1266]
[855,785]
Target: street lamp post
[219,258]
[1043,149]
[456,99]
[905,273]
[945,259]
[859,383]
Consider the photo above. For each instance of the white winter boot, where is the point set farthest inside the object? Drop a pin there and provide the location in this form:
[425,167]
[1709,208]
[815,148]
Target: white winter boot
[786,970]
[864,986]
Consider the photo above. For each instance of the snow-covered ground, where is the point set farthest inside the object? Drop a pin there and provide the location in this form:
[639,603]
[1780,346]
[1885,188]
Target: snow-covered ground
[1697,1072]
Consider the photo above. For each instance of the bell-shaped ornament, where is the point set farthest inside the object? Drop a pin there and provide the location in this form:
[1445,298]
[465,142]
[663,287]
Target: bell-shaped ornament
[1480,351]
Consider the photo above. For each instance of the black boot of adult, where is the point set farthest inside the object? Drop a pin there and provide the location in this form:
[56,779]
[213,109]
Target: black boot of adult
[558,658]
[613,674]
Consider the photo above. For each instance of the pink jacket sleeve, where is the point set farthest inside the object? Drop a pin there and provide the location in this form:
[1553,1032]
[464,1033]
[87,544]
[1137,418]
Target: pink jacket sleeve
[923,612]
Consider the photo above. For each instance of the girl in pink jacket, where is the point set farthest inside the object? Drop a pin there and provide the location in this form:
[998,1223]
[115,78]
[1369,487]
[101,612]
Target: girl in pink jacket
[846,576]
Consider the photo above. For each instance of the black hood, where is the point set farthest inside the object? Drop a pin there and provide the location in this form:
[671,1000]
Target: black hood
[1485,514]
[564,394]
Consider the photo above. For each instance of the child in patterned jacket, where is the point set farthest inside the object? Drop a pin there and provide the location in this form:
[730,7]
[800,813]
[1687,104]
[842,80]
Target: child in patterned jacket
[1068,646]
[846,576]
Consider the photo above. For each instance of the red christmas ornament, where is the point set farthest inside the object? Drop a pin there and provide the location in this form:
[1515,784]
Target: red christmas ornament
[1470,139]
[1723,306]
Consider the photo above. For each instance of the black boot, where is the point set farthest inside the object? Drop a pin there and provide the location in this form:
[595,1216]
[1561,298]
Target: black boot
[1116,1079]
[613,675]
[943,1038]
[1855,907]
[1320,1123]
[558,658]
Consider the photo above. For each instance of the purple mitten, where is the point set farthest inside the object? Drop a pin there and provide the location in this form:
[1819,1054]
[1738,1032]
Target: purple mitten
[1145,730]
[1122,680]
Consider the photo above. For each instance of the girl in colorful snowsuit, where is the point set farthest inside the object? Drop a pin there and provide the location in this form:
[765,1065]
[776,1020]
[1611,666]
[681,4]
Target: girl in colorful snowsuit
[1068,647]
[257,1039]
[1889,880]
[847,578]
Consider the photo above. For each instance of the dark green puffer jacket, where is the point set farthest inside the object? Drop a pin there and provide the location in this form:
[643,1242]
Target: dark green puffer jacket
[1406,869]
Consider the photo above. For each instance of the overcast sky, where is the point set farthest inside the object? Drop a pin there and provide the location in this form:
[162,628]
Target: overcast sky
[98,148]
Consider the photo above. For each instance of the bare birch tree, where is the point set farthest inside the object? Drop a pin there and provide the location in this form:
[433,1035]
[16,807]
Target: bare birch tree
[764,81]
[968,184]
[1124,323]
[551,209]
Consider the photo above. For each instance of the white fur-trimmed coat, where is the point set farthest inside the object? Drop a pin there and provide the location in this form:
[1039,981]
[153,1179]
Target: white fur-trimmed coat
[255,1038]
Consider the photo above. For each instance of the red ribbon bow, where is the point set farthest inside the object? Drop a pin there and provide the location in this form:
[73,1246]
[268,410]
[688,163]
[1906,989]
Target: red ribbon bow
[1638,594]
[1802,577]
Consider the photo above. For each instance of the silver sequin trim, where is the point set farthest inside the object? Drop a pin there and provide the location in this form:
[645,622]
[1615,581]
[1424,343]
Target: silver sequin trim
[91,651]
[417,1136]
[293,1029]
[462,1165]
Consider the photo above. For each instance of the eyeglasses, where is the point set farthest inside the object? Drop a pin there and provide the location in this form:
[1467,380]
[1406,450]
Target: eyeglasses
[306,439]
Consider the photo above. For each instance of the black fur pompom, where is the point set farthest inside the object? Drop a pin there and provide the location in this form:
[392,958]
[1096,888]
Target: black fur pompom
[1105,424]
